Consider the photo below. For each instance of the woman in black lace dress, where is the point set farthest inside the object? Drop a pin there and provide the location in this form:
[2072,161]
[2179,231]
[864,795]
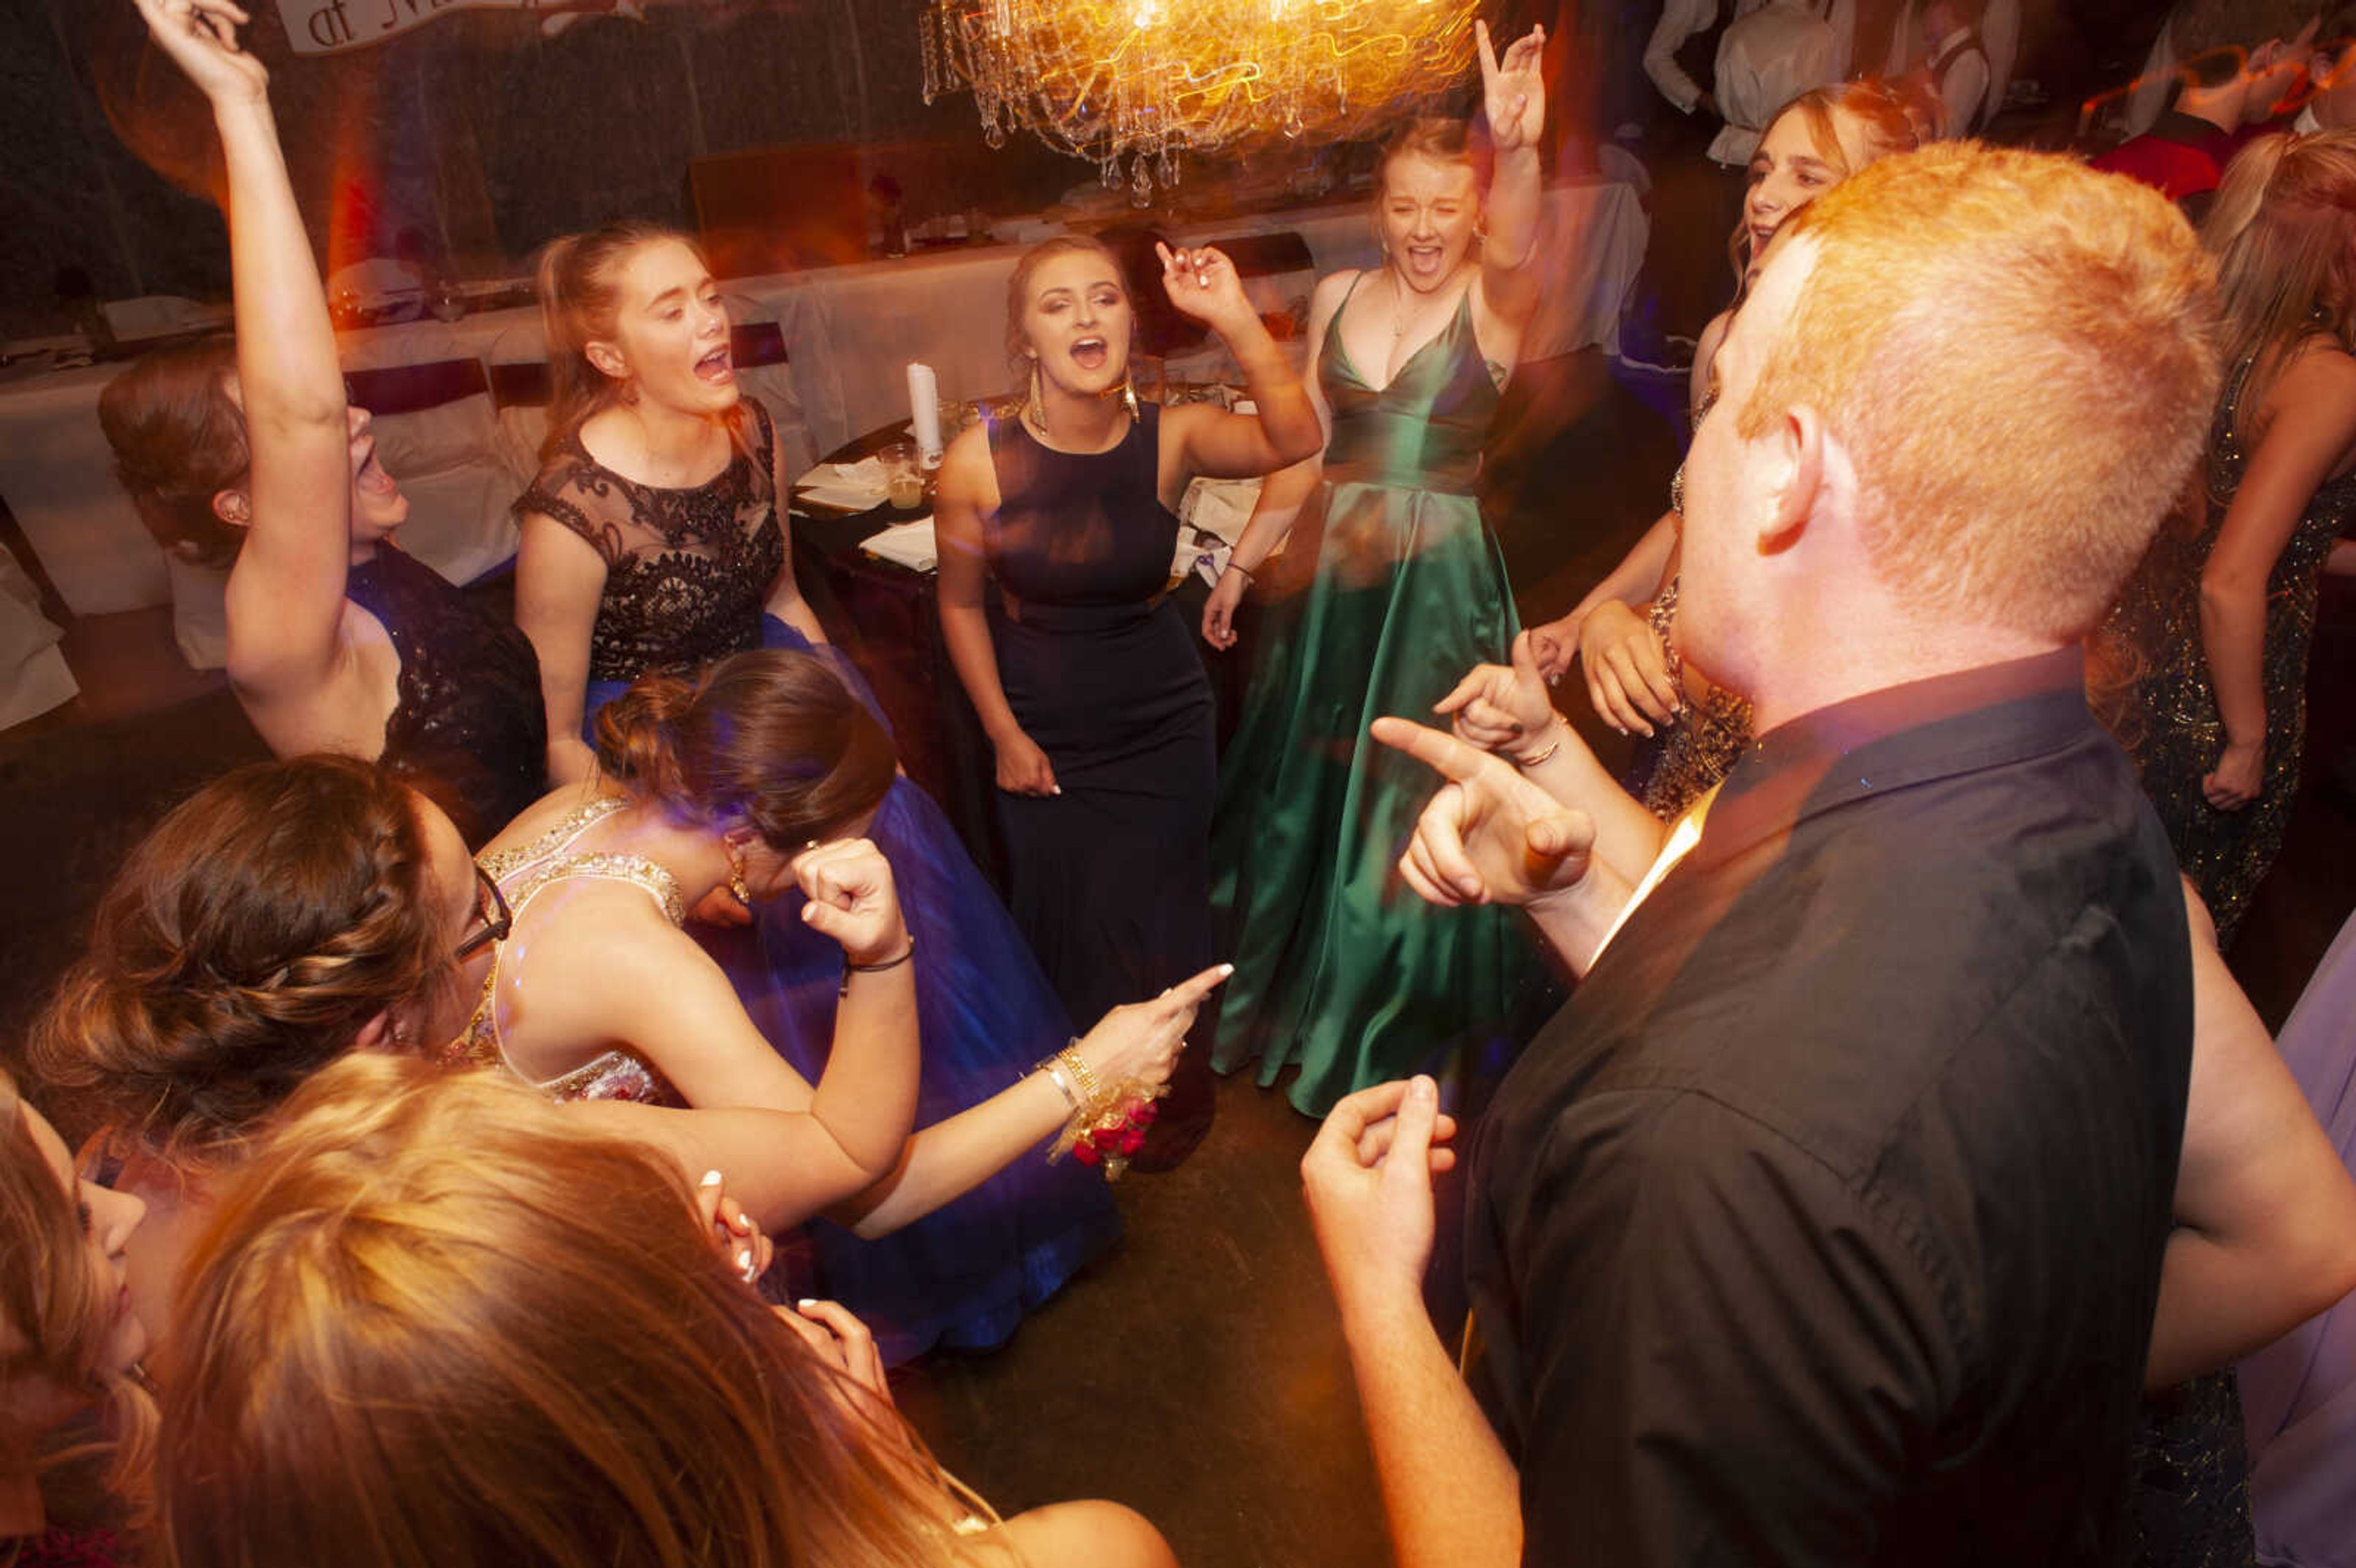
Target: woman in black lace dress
[338,642]
[651,539]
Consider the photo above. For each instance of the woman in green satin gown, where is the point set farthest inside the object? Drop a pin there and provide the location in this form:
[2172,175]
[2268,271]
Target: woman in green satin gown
[1339,969]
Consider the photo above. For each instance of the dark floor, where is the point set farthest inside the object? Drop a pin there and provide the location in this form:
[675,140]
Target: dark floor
[1197,1374]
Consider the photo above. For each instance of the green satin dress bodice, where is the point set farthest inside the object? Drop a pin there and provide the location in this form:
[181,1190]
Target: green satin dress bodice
[1340,968]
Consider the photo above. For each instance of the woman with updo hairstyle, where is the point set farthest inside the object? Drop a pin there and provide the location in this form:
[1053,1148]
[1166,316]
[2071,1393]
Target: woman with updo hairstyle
[2222,611]
[1394,586]
[284,914]
[761,773]
[246,456]
[436,1324]
[1623,632]
[71,1398]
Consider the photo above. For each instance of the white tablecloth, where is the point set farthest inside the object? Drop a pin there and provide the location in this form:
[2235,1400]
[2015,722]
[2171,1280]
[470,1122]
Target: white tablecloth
[850,333]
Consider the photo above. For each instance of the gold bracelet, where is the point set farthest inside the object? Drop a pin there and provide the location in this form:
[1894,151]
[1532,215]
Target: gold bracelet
[1537,757]
[1091,1092]
[1061,1077]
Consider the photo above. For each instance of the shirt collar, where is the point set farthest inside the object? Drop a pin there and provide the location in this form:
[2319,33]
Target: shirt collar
[2189,129]
[1901,735]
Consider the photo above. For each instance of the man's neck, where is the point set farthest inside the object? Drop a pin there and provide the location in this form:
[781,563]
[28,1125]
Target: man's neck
[2218,106]
[1802,687]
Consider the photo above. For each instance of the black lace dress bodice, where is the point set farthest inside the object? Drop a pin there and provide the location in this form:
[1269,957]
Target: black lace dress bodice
[686,570]
[468,730]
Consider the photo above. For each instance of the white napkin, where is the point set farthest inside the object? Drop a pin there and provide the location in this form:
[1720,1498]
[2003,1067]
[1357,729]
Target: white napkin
[909,544]
[1221,506]
[854,486]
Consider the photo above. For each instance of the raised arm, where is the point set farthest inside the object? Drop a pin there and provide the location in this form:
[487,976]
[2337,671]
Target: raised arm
[2266,1213]
[1282,495]
[2311,435]
[285,599]
[559,578]
[1513,91]
[968,489]
[1197,438]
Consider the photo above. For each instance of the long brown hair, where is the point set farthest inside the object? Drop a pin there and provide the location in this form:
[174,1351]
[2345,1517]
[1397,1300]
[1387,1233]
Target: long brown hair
[2281,228]
[435,1321]
[179,440]
[56,1325]
[247,941]
[770,737]
[579,277]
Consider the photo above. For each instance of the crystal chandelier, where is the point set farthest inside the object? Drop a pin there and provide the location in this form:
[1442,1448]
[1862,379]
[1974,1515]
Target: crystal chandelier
[1146,80]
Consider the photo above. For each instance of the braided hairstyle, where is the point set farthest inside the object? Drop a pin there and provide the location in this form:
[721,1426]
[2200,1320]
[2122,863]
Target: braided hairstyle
[247,942]
[771,739]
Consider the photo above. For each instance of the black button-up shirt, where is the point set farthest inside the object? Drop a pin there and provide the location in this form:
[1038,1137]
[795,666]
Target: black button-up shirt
[1825,1224]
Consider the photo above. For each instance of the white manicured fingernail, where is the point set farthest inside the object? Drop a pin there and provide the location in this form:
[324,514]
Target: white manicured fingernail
[710,1178]
[806,1303]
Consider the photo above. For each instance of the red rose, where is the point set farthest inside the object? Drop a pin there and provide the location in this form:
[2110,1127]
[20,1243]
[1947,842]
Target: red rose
[1143,1116]
[1132,1140]
[1086,1152]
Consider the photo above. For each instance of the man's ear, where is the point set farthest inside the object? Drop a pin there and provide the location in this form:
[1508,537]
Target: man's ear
[234,507]
[1798,486]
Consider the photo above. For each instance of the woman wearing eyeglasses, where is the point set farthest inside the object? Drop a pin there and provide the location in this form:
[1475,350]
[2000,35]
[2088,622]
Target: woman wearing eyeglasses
[291,913]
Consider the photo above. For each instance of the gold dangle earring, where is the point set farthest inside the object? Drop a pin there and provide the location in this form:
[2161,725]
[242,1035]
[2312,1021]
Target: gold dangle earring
[737,888]
[1038,401]
[1129,392]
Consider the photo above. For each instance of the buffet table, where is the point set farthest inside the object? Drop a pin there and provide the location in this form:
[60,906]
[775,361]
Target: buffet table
[847,332]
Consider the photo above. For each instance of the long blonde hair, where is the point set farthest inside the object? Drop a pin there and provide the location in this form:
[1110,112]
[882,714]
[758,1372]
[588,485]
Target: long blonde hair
[1883,126]
[57,1325]
[2282,226]
[435,1321]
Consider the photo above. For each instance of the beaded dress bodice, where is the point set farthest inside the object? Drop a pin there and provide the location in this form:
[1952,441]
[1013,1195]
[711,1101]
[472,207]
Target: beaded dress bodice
[524,872]
[686,570]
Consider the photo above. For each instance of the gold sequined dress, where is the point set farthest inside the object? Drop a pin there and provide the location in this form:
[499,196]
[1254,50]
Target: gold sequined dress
[2170,724]
[523,873]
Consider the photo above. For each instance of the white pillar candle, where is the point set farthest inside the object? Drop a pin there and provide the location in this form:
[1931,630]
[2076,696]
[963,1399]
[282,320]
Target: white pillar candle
[925,411]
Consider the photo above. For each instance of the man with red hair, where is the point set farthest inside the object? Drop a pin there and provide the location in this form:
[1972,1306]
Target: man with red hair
[1825,1223]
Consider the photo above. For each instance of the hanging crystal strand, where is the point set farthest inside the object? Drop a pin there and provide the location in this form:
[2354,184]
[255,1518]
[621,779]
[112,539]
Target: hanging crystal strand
[929,39]
[1140,184]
